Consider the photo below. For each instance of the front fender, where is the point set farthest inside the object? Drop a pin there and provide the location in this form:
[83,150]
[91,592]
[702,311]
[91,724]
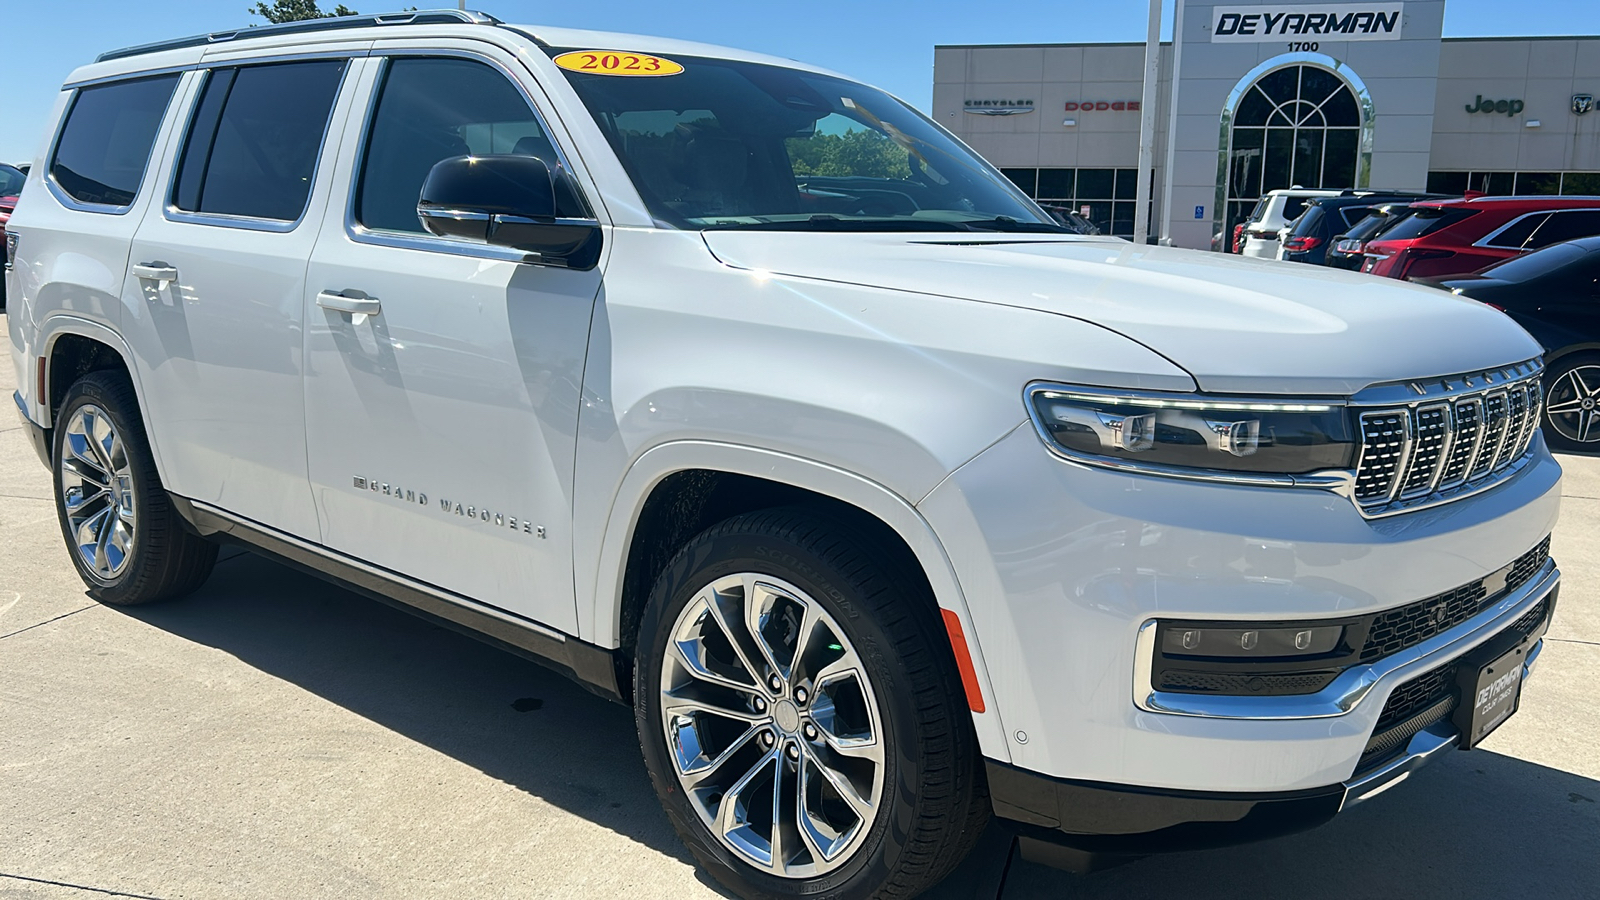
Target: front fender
[605,625]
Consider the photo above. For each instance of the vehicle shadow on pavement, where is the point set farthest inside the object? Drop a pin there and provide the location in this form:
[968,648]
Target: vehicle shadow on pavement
[1472,825]
[505,716]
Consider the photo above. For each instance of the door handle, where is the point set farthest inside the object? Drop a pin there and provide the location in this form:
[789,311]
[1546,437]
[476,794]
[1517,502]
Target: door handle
[358,306]
[156,271]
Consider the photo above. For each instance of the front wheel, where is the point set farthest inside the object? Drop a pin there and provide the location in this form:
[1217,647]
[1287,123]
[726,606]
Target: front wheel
[801,716]
[1572,403]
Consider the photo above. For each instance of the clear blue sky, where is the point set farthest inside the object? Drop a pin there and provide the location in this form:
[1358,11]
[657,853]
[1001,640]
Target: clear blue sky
[887,43]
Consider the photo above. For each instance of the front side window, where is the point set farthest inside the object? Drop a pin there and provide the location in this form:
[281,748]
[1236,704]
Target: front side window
[431,109]
[106,141]
[727,144]
[255,140]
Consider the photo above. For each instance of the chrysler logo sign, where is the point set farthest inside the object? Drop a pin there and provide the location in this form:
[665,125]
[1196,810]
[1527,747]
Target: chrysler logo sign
[1325,21]
[999,107]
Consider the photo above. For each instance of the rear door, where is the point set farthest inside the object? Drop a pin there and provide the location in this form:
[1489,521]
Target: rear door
[213,299]
[443,375]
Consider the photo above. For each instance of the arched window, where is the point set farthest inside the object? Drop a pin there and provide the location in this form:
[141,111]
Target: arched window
[1297,126]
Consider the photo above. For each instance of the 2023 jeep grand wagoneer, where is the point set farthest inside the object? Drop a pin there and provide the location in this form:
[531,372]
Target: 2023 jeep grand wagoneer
[745,393]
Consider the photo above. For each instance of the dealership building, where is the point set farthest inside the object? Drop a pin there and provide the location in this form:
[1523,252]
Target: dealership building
[1329,95]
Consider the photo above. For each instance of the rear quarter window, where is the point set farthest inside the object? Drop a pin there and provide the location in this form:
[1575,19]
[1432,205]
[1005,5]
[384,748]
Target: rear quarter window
[106,140]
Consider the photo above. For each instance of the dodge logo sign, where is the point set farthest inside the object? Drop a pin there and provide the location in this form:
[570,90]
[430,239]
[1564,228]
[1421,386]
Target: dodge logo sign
[1582,103]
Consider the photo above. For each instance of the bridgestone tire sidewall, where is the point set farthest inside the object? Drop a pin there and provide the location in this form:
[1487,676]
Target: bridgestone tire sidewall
[122,589]
[728,553]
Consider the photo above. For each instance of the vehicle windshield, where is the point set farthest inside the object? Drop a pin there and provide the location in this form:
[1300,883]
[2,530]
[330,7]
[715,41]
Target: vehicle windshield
[11,181]
[1536,264]
[728,144]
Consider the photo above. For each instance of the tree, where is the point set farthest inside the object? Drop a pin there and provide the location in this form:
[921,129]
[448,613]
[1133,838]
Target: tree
[296,11]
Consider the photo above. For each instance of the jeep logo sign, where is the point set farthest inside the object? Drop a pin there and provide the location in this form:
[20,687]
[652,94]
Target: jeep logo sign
[1504,107]
[1325,21]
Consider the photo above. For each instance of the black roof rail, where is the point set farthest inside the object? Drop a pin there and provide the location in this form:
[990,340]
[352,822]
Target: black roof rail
[414,17]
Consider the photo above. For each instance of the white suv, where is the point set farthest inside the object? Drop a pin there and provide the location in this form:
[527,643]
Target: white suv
[745,394]
[1265,230]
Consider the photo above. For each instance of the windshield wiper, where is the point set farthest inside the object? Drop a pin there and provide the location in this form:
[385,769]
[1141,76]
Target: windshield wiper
[1008,224]
[834,223]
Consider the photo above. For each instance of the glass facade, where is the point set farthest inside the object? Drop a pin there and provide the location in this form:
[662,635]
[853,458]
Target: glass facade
[1515,183]
[1298,126]
[1108,194]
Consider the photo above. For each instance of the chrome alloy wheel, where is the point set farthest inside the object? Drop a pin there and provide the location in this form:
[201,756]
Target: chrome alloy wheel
[772,726]
[1573,405]
[97,492]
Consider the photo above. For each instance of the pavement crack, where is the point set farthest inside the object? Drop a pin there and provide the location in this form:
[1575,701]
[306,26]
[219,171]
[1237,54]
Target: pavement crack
[40,625]
[1572,641]
[78,887]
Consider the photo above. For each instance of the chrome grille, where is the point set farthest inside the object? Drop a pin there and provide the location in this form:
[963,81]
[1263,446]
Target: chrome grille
[1434,447]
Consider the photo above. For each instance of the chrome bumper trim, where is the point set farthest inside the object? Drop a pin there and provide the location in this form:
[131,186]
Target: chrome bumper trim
[1425,746]
[1354,684]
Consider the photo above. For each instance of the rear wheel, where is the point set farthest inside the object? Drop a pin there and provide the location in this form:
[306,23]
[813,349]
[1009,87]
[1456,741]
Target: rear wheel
[125,539]
[800,716]
[1572,403]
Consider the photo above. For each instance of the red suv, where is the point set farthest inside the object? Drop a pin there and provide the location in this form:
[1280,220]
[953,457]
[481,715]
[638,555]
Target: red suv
[1454,237]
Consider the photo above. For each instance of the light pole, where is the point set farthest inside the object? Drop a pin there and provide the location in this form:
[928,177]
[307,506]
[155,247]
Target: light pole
[1167,174]
[1147,124]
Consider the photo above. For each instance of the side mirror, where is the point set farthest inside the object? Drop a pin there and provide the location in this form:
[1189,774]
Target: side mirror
[507,201]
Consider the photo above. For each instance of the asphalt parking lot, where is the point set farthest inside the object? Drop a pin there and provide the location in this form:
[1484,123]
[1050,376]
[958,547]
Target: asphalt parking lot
[273,736]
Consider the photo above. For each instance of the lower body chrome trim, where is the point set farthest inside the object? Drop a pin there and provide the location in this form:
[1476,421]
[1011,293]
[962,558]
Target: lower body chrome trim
[1427,745]
[1354,684]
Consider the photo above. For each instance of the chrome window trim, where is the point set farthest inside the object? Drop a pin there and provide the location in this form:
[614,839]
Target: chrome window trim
[105,209]
[170,209]
[427,242]
[1488,239]
[130,76]
[1347,692]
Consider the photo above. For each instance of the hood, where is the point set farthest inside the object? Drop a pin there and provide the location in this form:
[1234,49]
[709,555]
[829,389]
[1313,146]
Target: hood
[1237,325]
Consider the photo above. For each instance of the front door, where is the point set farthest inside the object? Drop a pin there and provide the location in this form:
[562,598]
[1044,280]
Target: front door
[443,376]
[217,274]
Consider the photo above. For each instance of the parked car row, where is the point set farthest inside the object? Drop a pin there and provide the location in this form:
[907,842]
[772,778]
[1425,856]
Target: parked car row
[1537,259]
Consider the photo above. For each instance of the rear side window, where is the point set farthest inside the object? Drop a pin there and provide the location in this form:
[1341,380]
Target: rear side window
[432,109]
[255,139]
[1567,226]
[1425,221]
[106,141]
[1354,214]
[1310,223]
[1374,222]
[1518,235]
[1293,207]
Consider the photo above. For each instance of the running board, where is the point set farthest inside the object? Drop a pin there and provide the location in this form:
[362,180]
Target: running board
[596,668]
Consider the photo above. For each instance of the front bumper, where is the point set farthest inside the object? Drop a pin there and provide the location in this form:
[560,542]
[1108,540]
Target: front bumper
[1063,565]
[1081,826]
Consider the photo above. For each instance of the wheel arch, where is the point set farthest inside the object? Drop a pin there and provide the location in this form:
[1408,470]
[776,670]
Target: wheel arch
[675,490]
[71,347]
[1557,355]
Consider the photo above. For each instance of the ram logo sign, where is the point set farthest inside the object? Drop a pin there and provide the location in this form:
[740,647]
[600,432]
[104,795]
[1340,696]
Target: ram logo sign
[1304,23]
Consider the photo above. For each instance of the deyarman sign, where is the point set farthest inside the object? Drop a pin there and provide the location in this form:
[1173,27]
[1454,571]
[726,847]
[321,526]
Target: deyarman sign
[1314,21]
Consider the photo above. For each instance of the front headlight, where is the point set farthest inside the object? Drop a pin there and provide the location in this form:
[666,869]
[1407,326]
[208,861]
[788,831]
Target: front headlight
[1193,434]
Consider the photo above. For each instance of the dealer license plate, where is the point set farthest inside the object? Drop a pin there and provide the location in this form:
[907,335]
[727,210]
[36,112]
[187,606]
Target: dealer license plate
[1498,692]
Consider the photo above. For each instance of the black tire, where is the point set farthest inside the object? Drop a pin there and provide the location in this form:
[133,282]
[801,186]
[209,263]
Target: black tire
[934,802]
[164,560]
[1561,429]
